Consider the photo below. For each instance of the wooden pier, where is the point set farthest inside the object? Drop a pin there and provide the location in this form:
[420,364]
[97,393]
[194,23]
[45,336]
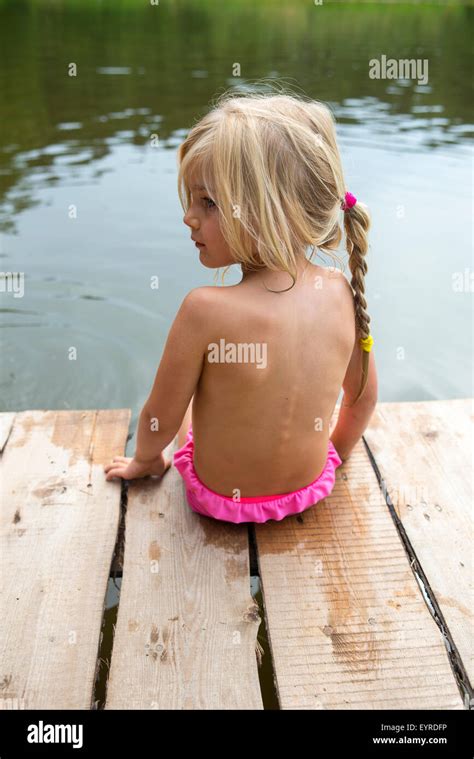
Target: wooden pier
[367,597]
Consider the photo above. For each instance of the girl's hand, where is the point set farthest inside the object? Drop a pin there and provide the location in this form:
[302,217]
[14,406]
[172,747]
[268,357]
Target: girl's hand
[131,469]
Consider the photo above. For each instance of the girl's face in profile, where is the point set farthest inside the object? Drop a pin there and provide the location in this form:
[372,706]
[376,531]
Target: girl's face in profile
[202,217]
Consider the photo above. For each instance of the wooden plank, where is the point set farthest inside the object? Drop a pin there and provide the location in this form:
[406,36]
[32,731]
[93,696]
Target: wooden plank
[187,625]
[424,453]
[6,423]
[347,623]
[58,519]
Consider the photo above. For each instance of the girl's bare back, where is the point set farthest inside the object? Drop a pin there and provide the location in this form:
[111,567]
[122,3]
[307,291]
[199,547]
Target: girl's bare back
[265,430]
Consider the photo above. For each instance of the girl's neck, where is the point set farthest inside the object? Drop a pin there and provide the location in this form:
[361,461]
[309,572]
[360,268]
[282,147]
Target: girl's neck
[274,279]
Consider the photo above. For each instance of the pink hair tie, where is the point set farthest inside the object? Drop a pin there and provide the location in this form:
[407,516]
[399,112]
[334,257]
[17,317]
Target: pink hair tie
[349,201]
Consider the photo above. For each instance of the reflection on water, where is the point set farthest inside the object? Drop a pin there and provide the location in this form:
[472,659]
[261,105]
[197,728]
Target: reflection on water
[89,209]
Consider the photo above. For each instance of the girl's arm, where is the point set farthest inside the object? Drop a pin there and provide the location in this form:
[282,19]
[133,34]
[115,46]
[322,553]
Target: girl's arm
[353,420]
[176,379]
[175,383]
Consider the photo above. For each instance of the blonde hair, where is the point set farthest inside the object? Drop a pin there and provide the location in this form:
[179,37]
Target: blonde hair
[271,163]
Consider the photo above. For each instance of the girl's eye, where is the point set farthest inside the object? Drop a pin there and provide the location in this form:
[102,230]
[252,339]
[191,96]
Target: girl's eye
[208,200]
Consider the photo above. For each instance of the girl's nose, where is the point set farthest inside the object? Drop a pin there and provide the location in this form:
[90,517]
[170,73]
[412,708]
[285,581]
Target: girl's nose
[191,221]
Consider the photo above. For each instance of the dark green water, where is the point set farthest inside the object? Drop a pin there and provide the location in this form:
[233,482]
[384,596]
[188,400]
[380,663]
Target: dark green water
[142,69]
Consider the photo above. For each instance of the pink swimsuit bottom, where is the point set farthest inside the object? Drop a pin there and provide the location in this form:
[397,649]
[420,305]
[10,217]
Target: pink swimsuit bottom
[207,502]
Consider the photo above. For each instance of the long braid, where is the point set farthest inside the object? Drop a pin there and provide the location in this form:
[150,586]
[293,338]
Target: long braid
[356,225]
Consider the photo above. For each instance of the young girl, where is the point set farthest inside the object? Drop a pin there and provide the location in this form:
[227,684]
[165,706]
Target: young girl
[251,373]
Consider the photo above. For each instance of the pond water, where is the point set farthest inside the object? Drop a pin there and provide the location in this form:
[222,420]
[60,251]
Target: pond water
[84,141]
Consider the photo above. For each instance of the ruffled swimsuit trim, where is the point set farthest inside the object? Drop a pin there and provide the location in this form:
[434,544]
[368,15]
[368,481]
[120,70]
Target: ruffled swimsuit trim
[259,509]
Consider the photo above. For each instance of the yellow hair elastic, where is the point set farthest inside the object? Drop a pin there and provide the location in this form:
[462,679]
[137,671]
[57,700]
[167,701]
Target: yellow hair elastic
[366,343]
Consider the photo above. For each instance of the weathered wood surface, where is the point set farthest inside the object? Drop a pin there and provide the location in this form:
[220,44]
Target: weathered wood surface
[58,525]
[424,452]
[347,621]
[6,423]
[348,625]
[187,624]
